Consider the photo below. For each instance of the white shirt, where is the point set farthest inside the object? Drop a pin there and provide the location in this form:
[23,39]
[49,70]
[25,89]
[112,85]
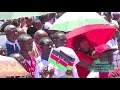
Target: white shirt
[115,22]
[113,43]
[93,74]
[116,59]
[40,64]
[10,43]
[59,73]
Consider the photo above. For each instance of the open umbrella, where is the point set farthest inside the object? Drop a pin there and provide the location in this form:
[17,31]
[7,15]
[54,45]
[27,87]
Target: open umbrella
[71,20]
[10,67]
[15,15]
[97,34]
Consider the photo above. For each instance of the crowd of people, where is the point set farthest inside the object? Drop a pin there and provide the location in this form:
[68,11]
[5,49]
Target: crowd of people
[30,42]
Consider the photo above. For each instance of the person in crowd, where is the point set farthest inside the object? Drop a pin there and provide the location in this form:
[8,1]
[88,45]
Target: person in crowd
[26,44]
[116,60]
[116,15]
[113,41]
[37,24]
[46,45]
[43,19]
[19,58]
[110,19]
[4,25]
[15,23]
[29,21]
[59,40]
[36,48]
[2,51]
[83,50]
[11,44]
[31,31]
[20,31]
[105,54]
[22,22]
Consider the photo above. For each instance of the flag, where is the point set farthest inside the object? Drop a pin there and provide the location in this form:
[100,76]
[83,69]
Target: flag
[61,60]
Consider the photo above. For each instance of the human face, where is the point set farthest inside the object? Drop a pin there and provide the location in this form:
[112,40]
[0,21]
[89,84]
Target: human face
[38,25]
[29,22]
[47,48]
[84,46]
[28,45]
[60,42]
[12,34]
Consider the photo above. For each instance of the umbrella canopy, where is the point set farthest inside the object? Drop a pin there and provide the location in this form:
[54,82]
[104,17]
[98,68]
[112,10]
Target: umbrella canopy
[97,34]
[15,15]
[10,67]
[71,20]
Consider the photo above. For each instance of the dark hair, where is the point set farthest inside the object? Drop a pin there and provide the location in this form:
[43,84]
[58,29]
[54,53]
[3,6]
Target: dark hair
[23,37]
[34,21]
[31,31]
[42,40]
[15,22]
[77,40]
[4,25]
[58,34]
[41,18]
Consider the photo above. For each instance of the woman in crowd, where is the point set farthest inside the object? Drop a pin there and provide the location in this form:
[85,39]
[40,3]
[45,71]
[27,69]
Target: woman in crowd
[83,51]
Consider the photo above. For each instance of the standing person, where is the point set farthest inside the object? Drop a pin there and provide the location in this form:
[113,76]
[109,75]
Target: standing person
[36,48]
[113,42]
[37,24]
[11,44]
[105,54]
[26,45]
[116,60]
[15,23]
[43,19]
[46,45]
[83,50]
[59,39]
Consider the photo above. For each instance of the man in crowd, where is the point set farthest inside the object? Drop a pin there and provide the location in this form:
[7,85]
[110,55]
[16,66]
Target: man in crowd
[36,26]
[11,44]
[36,48]
[59,39]
[105,54]
[26,45]
[46,45]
